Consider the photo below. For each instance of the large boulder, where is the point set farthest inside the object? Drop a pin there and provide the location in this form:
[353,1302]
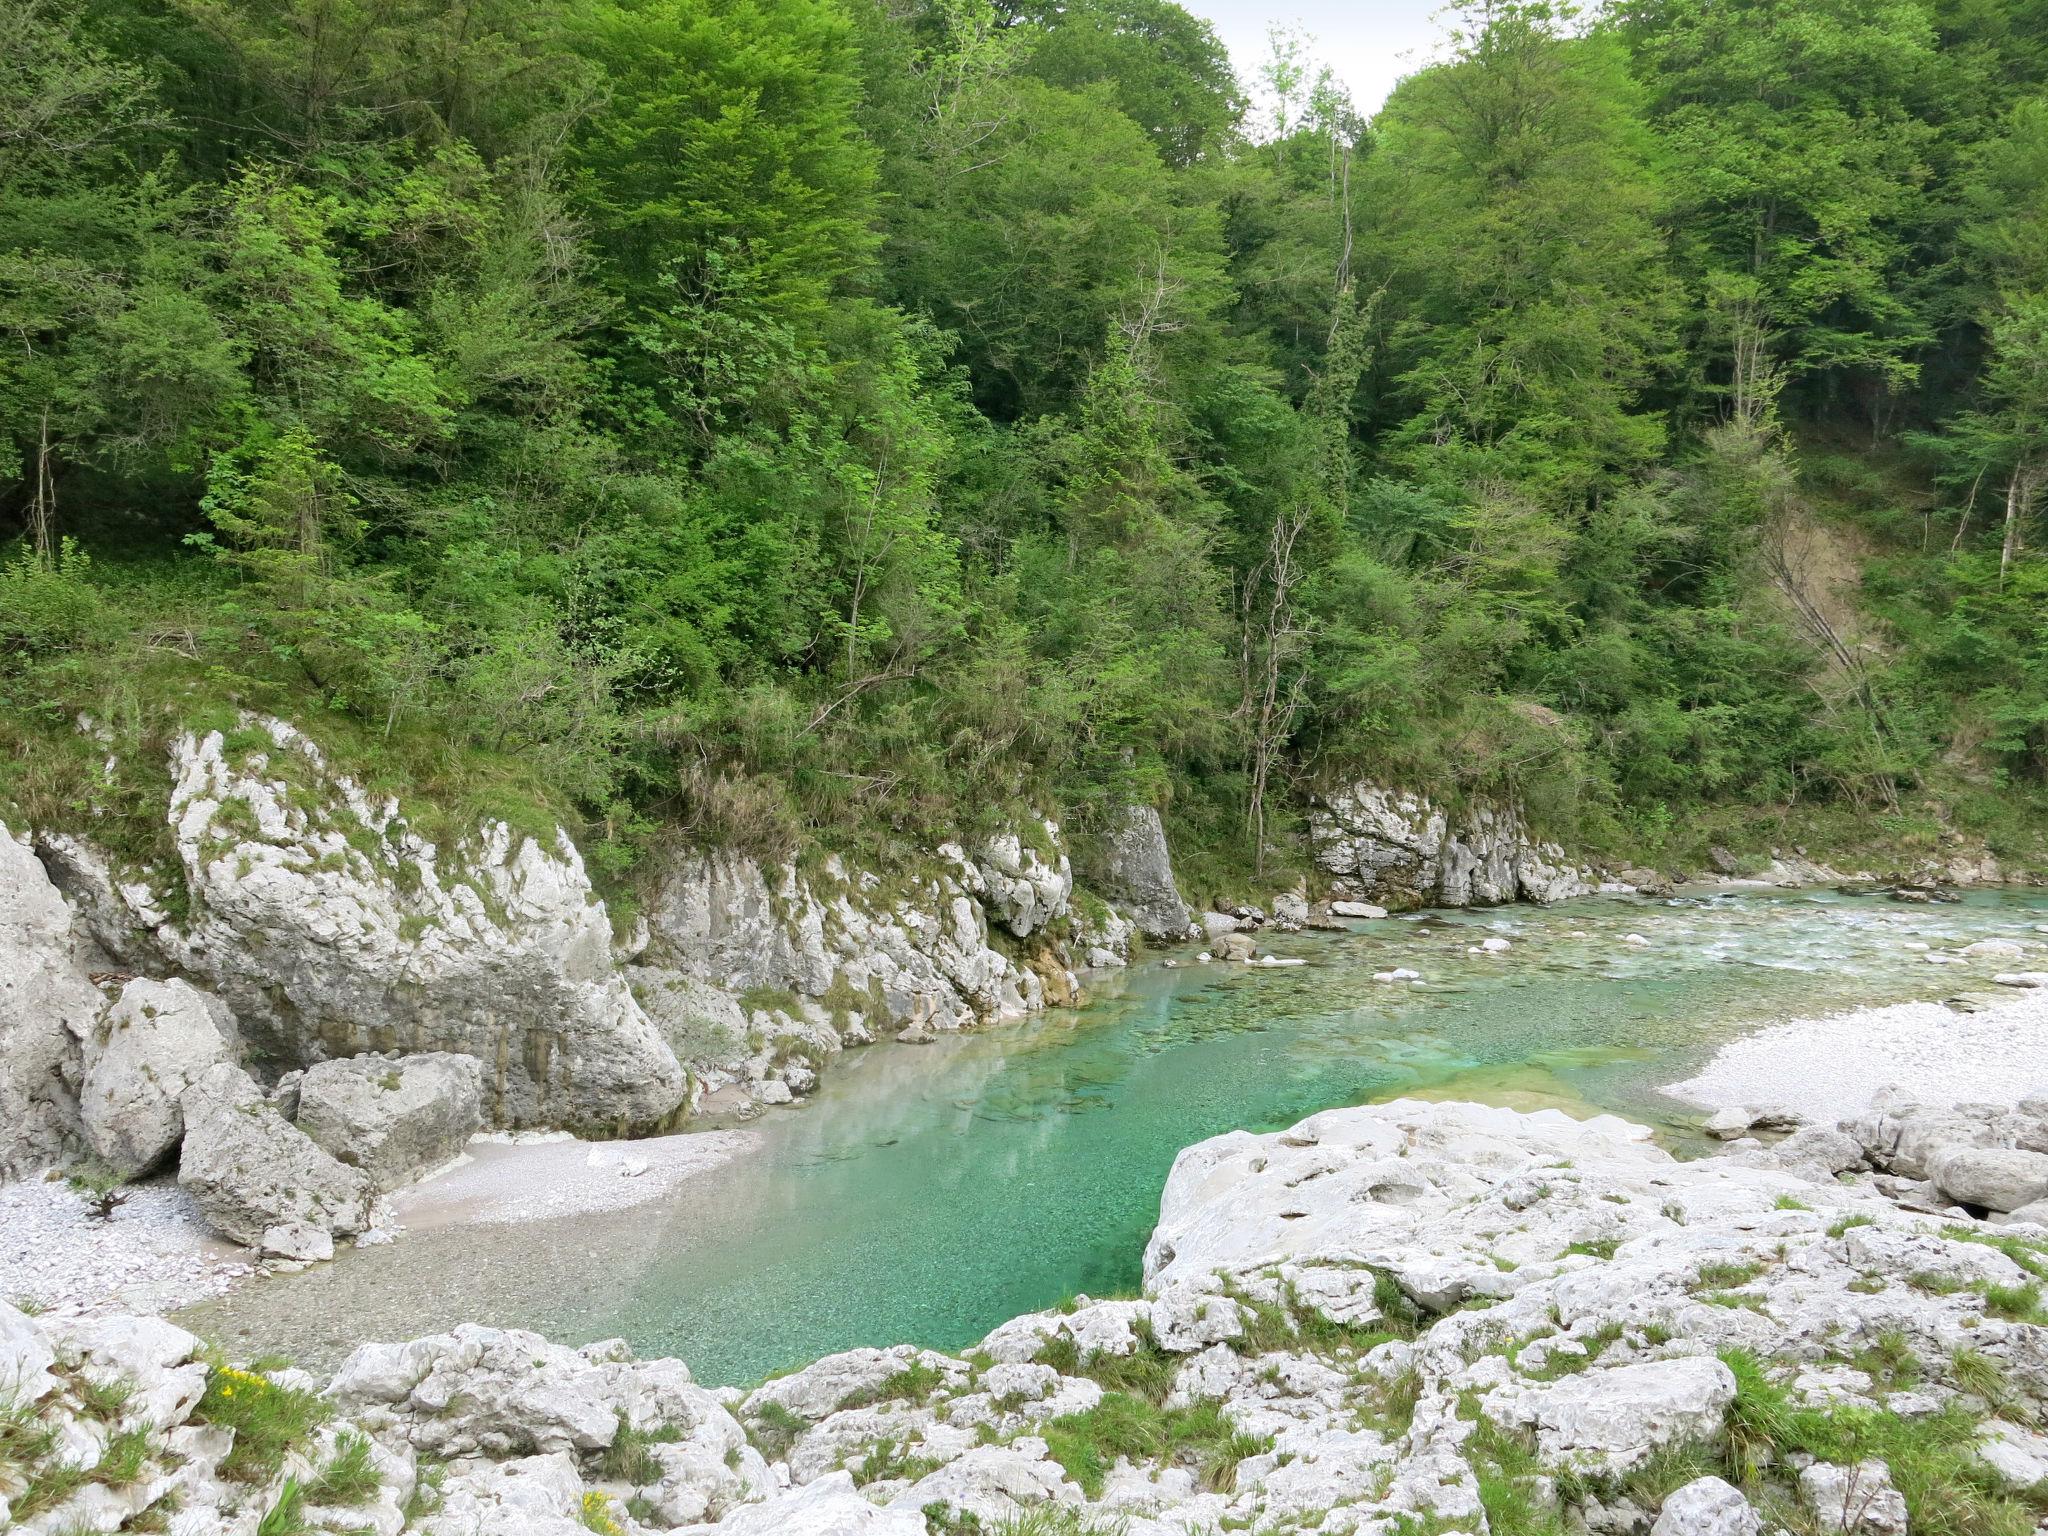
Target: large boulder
[1996,1178]
[1707,1506]
[157,1039]
[1138,873]
[831,1506]
[1612,1419]
[394,1117]
[1854,1501]
[533,1496]
[47,1008]
[260,1180]
[332,926]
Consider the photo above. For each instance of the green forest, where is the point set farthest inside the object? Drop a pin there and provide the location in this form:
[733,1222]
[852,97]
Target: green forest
[787,422]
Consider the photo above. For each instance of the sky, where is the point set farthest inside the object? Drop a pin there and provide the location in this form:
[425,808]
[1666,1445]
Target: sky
[1370,44]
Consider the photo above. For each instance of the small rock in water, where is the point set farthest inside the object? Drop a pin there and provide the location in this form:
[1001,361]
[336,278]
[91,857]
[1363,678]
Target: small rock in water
[1398,973]
[1357,909]
[2004,949]
[2021,978]
[1634,938]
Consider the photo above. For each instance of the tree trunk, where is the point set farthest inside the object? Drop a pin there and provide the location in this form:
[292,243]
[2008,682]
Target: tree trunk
[2019,498]
[42,505]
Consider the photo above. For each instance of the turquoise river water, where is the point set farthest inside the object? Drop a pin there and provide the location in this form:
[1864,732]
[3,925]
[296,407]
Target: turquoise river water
[926,1194]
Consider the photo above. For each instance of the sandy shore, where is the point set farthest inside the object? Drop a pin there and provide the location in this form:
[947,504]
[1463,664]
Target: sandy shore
[1828,1068]
[156,1253]
[504,1180]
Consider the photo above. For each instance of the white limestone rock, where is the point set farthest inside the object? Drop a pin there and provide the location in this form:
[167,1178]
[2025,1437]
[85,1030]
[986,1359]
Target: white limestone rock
[259,1179]
[26,1356]
[1996,1178]
[1357,909]
[2018,1456]
[994,1483]
[330,926]
[48,1007]
[1398,846]
[915,958]
[1614,1418]
[1855,1501]
[1024,885]
[825,1386]
[532,1496]
[394,1117]
[481,1390]
[1138,872]
[157,1039]
[831,1506]
[1707,1506]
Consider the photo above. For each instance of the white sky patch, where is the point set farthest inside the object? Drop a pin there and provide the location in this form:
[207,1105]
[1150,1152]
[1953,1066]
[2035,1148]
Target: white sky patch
[1368,44]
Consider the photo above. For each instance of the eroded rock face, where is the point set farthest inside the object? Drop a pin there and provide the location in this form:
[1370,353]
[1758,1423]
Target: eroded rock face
[1398,848]
[157,1039]
[750,968]
[260,1180]
[332,928]
[47,1009]
[394,1117]
[1139,875]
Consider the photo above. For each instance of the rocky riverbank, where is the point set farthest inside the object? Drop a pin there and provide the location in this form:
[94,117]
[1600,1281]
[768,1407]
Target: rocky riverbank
[1829,1068]
[313,1005]
[1410,1317]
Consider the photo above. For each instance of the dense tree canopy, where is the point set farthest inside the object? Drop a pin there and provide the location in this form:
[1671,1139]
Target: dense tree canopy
[777,418]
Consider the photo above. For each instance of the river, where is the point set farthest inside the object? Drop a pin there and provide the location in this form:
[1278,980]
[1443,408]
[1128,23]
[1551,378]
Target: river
[926,1194]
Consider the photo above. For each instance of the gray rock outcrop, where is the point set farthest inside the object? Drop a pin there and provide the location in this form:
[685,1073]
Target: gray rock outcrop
[756,973]
[1138,874]
[395,1118]
[1399,849]
[48,1007]
[157,1039]
[331,927]
[261,1181]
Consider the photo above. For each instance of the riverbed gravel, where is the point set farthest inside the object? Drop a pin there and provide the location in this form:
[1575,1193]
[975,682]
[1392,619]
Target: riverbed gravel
[153,1253]
[1829,1068]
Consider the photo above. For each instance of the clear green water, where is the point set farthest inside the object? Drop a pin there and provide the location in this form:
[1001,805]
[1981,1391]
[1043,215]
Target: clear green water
[928,1193]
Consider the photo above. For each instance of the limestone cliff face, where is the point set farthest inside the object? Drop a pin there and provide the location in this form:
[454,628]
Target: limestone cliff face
[330,927]
[1399,849]
[818,961]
